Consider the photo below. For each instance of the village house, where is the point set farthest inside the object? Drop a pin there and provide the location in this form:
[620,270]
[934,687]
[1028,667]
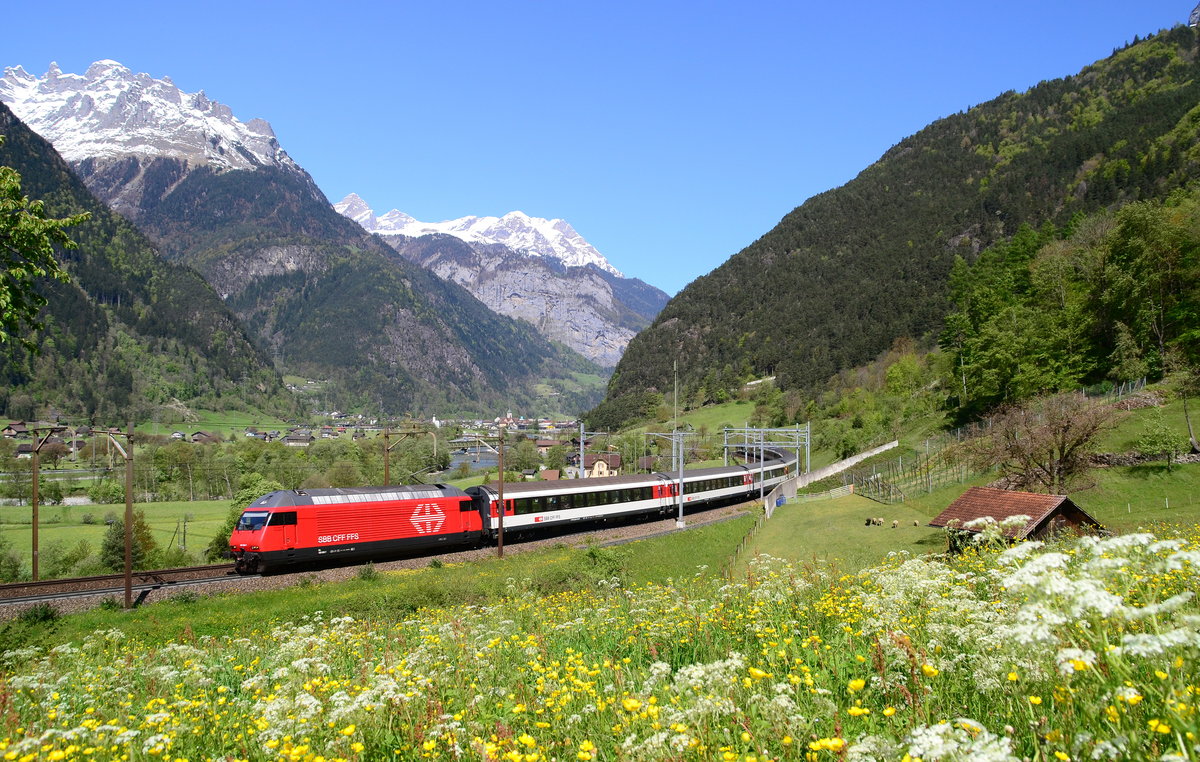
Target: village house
[14,430]
[596,465]
[298,438]
[1049,515]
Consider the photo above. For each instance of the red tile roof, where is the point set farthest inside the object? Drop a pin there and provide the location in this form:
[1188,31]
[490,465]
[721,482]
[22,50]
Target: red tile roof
[1001,504]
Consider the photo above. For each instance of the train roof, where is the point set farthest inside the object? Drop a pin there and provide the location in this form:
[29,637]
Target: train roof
[514,489]
[338,495]
[691,474]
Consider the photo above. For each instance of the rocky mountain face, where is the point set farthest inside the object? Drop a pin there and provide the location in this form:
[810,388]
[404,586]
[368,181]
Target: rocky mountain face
[540,271]
[323,297]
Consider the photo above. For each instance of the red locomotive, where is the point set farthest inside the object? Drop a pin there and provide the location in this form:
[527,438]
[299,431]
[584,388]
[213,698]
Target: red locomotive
[296,526]
[301,526]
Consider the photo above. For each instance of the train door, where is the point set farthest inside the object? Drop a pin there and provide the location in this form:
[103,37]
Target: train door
[286,521]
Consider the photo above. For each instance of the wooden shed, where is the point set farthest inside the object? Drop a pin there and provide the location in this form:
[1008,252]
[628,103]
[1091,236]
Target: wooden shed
[1048,514]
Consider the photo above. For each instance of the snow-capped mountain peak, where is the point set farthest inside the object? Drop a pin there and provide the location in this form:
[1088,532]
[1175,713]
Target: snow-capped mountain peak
[355,208]
[109,111]
[554,239]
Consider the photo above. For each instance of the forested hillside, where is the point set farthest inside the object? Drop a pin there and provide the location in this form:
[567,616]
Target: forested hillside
[853,269]
[1115,297]
[130,332]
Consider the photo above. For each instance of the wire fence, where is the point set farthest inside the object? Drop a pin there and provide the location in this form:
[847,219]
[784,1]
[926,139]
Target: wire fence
[1109,391]
[898,479]
[731,562]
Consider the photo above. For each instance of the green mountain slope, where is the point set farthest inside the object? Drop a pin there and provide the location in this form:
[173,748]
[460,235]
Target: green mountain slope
[130,331]
[858,266]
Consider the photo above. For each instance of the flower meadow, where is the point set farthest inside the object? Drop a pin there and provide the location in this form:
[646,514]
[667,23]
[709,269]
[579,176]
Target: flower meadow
[1080,650]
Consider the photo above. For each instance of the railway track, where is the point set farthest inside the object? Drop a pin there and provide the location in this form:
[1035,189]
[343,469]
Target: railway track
[160,580]
[112,584]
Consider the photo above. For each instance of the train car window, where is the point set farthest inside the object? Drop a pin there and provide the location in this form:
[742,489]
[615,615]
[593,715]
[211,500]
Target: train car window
[567,502]
[283,518]
[523,505]
[252,521]
[551,503]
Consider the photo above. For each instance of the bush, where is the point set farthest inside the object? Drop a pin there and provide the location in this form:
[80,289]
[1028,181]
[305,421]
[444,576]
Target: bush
[39,613]
[57,559]
[106,492]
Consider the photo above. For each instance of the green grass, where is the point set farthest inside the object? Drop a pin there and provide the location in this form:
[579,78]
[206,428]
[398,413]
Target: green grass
[1128,497]
[713,418]
[224,423]
[394,595]
[835,531]
[63,524]
[1124,437]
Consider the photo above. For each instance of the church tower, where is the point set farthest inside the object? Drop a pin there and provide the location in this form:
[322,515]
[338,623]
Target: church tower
[1194,19]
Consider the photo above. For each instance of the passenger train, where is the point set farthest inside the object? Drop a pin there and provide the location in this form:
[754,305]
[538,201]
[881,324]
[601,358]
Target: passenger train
[358,524]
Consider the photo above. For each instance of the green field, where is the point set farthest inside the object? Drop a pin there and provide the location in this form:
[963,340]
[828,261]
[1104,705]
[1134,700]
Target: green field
[64,524]
[225,424]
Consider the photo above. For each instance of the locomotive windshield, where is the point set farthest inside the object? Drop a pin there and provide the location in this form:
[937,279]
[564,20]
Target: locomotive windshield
[252,521]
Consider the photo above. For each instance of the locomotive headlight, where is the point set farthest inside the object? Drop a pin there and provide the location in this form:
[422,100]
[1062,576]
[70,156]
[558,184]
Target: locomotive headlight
[253,547]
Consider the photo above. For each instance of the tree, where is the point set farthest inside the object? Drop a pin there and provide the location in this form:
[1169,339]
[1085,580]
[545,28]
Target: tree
[27,246]
[1189,386]
[112,549]
[54,452]
[1159,439]
[1044,445]
[556,457]
[344,473]
[523,457]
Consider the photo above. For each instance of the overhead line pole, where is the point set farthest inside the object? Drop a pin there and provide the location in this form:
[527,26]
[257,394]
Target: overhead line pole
[500,512]
[37,449]
[387,478]
[112,436]
[677,439]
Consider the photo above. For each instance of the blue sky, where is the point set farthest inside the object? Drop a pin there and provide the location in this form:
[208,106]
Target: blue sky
[670,134]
